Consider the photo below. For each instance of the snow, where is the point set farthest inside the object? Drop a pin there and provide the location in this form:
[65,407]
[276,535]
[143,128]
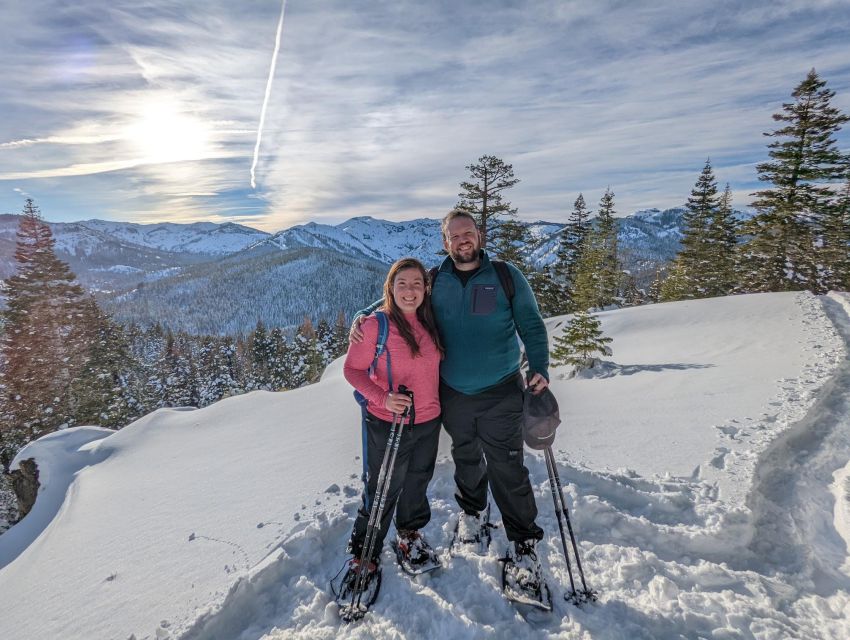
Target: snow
[707,470]
[198,237]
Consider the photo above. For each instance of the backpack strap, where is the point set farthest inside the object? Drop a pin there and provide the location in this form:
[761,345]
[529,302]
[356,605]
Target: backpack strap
[505,279]
[381,346]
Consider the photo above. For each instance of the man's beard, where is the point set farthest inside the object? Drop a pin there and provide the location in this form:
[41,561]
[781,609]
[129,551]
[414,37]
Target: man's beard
[458,258]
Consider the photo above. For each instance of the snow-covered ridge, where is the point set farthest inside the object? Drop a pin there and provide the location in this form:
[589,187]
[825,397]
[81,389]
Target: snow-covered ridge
[699,474]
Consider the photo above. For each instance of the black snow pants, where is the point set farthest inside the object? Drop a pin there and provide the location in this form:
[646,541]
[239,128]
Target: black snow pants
[487,447]
[414,468]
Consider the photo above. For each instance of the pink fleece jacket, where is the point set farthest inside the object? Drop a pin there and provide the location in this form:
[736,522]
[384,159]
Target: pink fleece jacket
[420,374]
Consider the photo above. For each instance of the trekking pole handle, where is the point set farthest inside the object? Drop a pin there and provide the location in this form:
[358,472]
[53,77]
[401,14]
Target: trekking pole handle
[402,389]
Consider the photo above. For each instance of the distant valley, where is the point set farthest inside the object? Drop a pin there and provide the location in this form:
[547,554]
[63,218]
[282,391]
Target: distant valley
[207,278]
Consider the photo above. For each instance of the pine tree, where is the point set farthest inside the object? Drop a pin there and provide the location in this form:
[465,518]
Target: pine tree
[610,273]
[103,392]
[721,274]
[552,298]
[43,342]
[507,241]
[632,296]
[705,265]
[482,195]
[260,354]
[217,377]
[340,336]
[834,251]
[580,341]
[780,253]
[655,289]
[588,290]
[176,375]
[570,243]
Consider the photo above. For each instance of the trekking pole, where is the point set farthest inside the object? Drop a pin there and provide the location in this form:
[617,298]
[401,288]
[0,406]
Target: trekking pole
[586,594]
[559,516]
[381,491]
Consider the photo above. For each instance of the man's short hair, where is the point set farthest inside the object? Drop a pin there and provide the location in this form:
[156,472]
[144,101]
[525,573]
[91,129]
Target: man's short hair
[453,214]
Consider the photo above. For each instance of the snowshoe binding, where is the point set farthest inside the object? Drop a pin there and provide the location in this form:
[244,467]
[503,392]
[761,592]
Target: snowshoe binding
[522,577]
[356,591]
[415,556]
[472,534]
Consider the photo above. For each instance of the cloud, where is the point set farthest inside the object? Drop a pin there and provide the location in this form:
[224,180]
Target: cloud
[377,107]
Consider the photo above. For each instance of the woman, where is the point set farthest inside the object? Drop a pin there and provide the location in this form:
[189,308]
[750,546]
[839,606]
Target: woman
[414,353]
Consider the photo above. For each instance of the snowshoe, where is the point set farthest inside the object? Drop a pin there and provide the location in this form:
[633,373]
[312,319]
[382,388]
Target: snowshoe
[472,534]
[354,602]
[415,556]
[522,577]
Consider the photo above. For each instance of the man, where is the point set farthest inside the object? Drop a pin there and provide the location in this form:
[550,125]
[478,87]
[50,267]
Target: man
[481,388]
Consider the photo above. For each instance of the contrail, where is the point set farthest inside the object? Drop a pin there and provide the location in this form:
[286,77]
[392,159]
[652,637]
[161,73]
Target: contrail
[268,93]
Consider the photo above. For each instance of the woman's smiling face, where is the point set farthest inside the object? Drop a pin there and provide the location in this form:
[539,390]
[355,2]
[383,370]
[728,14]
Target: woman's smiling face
[409,289]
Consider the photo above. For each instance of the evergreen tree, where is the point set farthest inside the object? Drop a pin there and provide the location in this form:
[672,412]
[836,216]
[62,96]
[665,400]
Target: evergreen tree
[103,392]
[216,372]
[552,298]
[834,250]
[43,343]
[175,382]
[482,194]
[678,285]
[655,289]
[632,296]
[260,348]
[340,336]
[580,341]
[780,250]
[705,266]
[305,362]
[570,244]
[588,290]
[506,244]
[721,274]
[610,273]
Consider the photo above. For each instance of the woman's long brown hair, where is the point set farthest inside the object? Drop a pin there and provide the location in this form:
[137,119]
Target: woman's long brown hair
[424,313]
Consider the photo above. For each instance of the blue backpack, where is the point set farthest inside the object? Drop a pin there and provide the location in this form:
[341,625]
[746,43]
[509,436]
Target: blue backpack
[380,349]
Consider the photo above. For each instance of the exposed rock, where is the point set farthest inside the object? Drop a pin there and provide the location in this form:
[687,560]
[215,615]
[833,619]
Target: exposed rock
[24,481]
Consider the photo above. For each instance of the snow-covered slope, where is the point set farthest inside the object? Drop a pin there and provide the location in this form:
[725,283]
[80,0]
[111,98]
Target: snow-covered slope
[703,469]
[198,237]
[368,237]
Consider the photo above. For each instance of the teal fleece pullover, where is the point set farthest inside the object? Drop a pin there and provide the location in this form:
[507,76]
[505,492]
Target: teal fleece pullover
[479,329]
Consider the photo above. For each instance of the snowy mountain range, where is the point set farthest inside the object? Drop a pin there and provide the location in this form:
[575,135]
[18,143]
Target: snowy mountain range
[221,278]
[706,467]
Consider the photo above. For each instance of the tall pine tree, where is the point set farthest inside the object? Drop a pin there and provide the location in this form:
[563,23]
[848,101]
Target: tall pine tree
[43,342]
[571,242]
[482,194]
[781,242]
[694,273]
[610,273]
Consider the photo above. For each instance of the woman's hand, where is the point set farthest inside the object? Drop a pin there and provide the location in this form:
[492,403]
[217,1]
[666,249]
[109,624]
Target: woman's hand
[355,334]
[397,402]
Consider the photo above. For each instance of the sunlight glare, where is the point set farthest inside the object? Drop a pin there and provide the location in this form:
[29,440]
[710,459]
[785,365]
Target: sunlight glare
[163,132]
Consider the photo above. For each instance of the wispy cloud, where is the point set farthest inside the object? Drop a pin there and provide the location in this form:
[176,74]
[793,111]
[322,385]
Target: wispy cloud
[378,106]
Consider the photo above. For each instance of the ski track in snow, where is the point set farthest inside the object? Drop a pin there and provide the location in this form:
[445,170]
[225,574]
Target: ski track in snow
[671,557]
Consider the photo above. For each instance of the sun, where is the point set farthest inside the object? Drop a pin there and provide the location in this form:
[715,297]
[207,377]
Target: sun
[164,132]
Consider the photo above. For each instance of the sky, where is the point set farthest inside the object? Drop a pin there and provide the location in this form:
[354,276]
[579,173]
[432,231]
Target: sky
[151,111]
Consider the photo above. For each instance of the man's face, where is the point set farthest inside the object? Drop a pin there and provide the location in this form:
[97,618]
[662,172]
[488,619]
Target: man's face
[462,241]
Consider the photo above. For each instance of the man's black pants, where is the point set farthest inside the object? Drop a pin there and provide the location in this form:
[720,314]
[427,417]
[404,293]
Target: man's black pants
[487,447]
[414,468]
